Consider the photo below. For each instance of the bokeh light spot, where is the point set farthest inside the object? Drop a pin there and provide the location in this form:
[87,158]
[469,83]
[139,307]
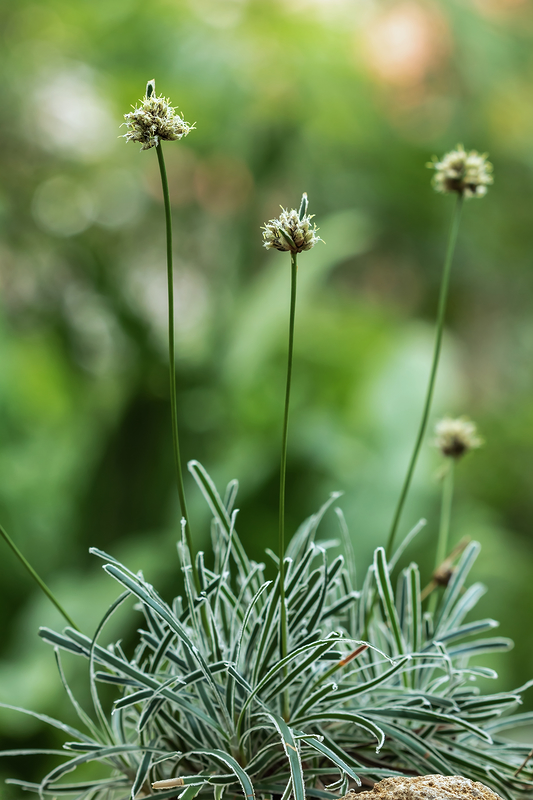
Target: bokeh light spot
[406,42]
[62,207]
[70,114]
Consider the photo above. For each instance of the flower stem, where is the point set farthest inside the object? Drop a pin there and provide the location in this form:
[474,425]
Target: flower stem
[445,514]
[282,477]
[172,361]
[443,296]
[444,527]
[36,577]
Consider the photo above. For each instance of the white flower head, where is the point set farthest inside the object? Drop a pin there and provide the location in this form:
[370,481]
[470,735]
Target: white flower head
[468,174]
[455,437]
[292,231]
[154,120]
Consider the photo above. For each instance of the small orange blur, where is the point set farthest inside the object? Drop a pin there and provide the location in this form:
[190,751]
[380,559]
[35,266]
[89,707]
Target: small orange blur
[405,43]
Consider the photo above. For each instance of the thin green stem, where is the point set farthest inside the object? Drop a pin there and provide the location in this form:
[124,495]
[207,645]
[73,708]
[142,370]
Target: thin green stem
[444,527]
[443,297]
[282,477]
[36,577]
[172,361]
[445,514]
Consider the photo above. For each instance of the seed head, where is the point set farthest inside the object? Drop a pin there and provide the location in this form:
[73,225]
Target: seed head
[468,174]
[455,437]
[153,120]
[292,230]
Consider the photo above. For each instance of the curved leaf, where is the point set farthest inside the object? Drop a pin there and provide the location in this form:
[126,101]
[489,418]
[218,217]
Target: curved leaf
[234,766]
[344,716]
[293,754]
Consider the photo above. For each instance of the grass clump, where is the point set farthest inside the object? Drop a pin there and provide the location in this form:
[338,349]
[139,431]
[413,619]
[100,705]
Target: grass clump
[205,712]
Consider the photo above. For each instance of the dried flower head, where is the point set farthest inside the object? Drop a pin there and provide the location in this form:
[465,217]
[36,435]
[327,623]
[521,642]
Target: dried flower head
[468,174]
[153,120]
[455,437]
[292,230]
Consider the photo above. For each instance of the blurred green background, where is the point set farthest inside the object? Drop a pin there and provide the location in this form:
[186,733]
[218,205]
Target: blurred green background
[344,99]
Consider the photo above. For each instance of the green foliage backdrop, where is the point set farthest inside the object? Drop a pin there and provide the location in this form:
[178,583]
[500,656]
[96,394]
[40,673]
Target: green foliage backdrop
[346,101]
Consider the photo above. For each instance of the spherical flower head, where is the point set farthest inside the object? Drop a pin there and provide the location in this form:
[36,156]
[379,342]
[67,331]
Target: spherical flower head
[468,174]
[455,437]
[154,120]
[292,231]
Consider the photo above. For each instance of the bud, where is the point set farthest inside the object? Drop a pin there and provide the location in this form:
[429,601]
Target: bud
[292,230]
[154,120]
[455,437]
[468,174]
[443,574]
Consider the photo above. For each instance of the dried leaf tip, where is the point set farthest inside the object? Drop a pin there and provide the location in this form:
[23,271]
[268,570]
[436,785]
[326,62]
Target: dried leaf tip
[292,231]
[154,120]
[468,174]
[169,783]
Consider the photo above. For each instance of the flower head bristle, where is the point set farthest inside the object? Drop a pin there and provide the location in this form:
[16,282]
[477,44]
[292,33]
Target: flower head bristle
[464,173]
[292,231]
[455,437]
[154,120]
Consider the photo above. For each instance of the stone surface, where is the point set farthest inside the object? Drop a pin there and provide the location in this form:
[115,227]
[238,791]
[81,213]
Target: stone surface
[426,787]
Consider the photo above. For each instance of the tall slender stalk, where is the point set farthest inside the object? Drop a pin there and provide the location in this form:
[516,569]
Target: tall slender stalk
[172,361]
[443,297]
[26,564]
[444,527]
[283,473]
[445,513]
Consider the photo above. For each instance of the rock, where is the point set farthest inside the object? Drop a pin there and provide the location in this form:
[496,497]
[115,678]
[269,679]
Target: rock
[426,787]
